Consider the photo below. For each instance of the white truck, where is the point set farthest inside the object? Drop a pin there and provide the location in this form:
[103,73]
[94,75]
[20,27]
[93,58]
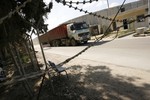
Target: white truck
[67,34]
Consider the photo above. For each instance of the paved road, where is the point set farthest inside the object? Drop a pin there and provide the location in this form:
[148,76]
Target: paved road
[125,52]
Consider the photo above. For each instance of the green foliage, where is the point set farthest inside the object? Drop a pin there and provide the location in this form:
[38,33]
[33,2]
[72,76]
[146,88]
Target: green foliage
[25,59]
[12,29]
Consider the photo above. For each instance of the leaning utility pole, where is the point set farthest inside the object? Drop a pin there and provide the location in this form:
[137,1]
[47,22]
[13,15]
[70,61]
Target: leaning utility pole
[149,14]
[107,3]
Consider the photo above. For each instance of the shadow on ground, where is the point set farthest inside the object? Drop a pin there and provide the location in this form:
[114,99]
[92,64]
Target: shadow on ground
[82,44]
[96,83]
[84,83]
[95,43]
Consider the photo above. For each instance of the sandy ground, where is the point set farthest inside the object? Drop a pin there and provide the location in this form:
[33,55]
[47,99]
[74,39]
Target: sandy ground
[88,80]
[91,80]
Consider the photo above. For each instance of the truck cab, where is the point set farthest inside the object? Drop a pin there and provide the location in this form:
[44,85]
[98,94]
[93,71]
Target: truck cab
[78,32]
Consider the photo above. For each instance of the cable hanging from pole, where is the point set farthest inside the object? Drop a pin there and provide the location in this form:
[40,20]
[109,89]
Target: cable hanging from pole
[77,2]
[97,40]
[90,13]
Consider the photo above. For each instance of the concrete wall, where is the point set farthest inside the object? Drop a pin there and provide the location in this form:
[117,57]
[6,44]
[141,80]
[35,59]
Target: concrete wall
[132,10]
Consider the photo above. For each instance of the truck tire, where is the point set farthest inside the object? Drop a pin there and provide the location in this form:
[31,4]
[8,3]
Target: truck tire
[67,42]
[85,42]
[49,44]
[73,42]
[55,43]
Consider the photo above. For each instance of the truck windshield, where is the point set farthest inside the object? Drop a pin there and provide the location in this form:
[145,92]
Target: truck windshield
[79,26]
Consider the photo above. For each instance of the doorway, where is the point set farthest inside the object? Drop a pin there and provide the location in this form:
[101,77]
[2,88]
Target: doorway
[125,24]
[114,26]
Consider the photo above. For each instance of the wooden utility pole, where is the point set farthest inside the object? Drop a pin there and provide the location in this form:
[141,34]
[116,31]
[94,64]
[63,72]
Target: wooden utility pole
[149,14]
[107,3]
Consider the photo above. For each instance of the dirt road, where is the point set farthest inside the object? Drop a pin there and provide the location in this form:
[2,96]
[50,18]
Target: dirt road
[91,80]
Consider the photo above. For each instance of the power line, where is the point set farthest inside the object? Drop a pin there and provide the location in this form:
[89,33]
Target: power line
[77,2]
[97,40]
[91,13]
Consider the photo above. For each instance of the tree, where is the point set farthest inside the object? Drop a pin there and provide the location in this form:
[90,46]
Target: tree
[17,25]
[14,28]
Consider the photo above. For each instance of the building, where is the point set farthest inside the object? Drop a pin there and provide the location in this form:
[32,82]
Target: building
[130,11]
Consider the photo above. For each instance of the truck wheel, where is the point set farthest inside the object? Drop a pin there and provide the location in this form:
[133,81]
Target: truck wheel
[51,44]
[73,42]
[67,42]
[85,42]
[55,43]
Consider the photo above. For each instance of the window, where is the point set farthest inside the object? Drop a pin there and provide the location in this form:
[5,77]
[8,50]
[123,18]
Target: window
[125,23]
[79,26]
[140,18]
[71,27]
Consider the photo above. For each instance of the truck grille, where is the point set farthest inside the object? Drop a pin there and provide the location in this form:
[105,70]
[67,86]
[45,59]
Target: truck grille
[83,34]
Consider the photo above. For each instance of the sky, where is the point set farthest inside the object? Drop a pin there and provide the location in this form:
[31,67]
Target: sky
[60,13]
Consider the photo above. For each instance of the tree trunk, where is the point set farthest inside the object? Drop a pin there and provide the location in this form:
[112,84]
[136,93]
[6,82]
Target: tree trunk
[14,58]
[25,83]
[35,57]
[29,52]
[20,69]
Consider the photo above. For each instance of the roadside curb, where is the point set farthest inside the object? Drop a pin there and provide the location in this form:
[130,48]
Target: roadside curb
[129,33]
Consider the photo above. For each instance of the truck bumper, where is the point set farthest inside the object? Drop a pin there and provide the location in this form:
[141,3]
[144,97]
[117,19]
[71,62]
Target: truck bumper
[83,39]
